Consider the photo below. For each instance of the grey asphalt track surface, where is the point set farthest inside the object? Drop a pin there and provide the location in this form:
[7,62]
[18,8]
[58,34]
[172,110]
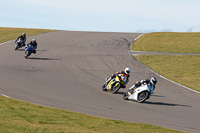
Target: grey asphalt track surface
[69,69]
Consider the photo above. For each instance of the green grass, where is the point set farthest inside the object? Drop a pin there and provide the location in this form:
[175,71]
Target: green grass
[182,69]
[7,34]
[168,42]
[21,117]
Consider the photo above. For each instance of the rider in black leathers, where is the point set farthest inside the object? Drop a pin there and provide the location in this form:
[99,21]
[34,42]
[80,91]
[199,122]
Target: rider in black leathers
[23,38]
[34,44]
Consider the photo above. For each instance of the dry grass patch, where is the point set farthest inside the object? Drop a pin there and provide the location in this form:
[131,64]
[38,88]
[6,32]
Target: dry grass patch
[168,42]
[22,117]
[7,34]
[183,69]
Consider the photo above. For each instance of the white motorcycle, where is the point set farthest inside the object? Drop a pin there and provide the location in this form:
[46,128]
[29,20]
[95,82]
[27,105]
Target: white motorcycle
[140,94]
[18,43]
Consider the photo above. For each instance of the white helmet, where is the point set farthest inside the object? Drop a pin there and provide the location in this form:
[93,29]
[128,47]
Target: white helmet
[154,80]
[127,70]
[34,40]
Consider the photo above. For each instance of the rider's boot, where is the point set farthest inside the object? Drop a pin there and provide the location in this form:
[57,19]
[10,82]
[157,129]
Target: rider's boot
[34,51]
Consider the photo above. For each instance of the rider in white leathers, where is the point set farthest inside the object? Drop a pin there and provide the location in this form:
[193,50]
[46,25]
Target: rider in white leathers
[152,82]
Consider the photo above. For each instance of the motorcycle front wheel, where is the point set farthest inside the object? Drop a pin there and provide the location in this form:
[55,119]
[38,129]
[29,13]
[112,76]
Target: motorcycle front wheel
[16,47]
[142,96]
[104,87]
[126,96]
[27,54]
[116,87]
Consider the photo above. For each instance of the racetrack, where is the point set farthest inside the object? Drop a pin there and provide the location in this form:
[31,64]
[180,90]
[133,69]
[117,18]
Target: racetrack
[68,72]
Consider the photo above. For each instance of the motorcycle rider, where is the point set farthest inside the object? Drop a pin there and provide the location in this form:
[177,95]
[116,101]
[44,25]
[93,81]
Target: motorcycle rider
[34,44]
[23,38]
[137,84]
[125,72]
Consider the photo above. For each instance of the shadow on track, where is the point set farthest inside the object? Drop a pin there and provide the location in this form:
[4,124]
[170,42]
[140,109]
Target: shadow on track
[33,58]
[20,50]
[120,93]
[166,104]
[157,96]
[24,50]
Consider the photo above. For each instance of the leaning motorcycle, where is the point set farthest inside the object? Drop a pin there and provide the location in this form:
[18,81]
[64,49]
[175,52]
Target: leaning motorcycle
[115,84]
[28,51]
[140,94]
[18,43]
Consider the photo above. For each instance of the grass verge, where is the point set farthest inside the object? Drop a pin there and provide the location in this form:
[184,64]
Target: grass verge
[168,42]
[7,34]
[21,117]
[183,69]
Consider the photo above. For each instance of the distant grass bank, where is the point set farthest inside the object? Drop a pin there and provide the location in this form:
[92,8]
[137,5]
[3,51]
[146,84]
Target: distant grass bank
[168,42]
[21,117]
[7,34]
[183,69]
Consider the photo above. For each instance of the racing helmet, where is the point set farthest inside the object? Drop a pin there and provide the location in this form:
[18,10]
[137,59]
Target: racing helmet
[143,82]
[154,80]
[24,34]
[34,40]
[127,70]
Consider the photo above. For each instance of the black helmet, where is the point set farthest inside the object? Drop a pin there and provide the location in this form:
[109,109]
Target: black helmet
[24,34]
[154,80]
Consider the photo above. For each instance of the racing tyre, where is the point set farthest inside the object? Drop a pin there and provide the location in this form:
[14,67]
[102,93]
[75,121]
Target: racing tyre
[142,96]
[16,47]
[104,87]
[116,87]
[125,96]
[27,54]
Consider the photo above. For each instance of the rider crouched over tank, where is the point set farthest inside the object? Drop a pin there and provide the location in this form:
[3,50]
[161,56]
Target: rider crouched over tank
[141,91]
[34,44]
[125,72]
[23,38]
[152,82]
[116,81]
